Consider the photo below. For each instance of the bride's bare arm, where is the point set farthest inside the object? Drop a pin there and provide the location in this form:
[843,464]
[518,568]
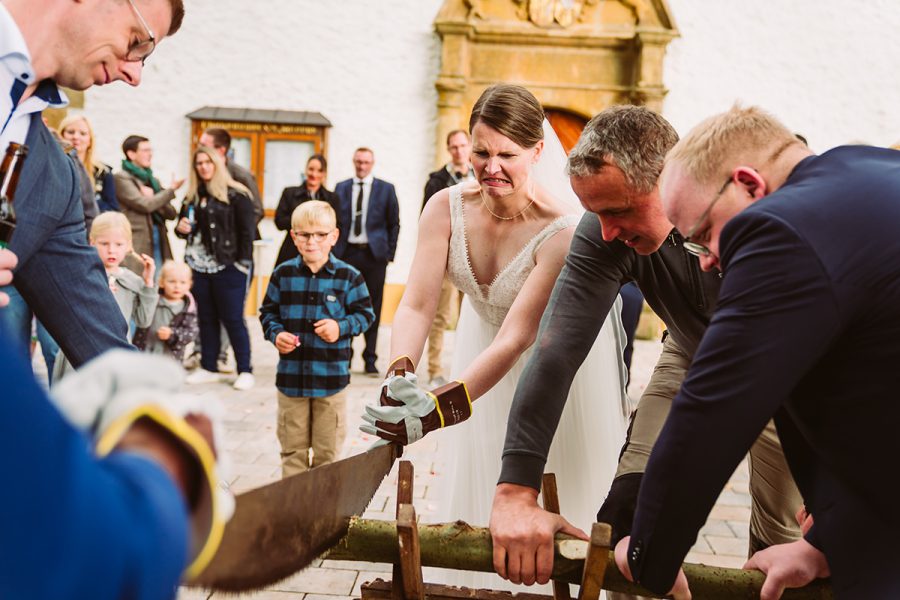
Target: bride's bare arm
[419,303]
[520,326]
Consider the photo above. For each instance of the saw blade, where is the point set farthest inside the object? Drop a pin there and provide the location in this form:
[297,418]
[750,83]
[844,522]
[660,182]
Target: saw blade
[282,527]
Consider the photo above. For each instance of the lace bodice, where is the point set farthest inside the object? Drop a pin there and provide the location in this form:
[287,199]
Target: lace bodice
[492,300]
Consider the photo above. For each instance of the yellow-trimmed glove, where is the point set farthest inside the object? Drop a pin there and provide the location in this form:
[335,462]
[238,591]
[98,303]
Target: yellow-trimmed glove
[419,411]
[402,367]
[114,391]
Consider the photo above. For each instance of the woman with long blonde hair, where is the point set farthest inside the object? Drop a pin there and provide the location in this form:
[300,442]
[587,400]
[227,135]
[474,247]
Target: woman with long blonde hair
[218,222]
[77,130]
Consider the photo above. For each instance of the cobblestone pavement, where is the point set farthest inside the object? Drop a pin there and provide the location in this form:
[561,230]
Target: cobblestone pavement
[254,452]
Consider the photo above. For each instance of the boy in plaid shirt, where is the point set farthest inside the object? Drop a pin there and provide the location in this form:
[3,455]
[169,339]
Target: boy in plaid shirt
[315,305]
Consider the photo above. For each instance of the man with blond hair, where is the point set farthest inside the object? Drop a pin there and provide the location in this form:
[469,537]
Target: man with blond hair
[45,44]
[805,332]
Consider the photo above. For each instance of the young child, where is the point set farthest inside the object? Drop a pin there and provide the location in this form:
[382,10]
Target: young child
[174,324]
[136,295]
[314,306]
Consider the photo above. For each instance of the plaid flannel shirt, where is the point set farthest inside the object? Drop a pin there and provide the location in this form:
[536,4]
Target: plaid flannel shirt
[295,299]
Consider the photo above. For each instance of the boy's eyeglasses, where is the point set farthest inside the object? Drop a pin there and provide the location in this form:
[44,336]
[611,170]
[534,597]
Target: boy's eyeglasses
[316,236]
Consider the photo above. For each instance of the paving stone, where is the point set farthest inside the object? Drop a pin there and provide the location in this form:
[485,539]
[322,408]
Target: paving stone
[357,566]
[701,546]
[729,498]
[267,595]
[740,487]
[740,529]
[730,513]
[730,546]
[716,527]
[715,560]
[186,593]
[316,580]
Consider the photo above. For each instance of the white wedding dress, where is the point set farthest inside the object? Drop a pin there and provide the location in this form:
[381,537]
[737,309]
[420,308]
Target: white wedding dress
[590,434]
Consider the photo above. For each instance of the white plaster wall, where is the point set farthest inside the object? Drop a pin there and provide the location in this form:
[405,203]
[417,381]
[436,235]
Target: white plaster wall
[828,68]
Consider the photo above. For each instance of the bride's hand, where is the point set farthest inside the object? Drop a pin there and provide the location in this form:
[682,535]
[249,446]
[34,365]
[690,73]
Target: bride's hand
[409,412]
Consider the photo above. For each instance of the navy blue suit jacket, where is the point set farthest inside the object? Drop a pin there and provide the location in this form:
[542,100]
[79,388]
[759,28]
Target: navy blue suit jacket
[806,330]
[59,275]
[382,218]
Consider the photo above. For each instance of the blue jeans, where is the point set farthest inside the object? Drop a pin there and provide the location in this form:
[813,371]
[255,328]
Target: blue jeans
[16,318]
[220,302]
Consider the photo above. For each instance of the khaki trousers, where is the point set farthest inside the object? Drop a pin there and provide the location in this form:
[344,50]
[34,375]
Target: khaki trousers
[448,298]
[774,495]
[306,424]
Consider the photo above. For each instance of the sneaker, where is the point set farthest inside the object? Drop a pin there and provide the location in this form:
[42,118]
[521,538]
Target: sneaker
[244,382]
[224,366]
[192,362]
[437,382]
[203,376]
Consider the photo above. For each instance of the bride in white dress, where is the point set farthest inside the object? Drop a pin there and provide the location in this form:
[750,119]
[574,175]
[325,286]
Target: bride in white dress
[504,240]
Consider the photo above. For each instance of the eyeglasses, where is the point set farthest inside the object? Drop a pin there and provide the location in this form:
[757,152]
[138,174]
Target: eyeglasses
[138,51]
[316,236]
[696,248]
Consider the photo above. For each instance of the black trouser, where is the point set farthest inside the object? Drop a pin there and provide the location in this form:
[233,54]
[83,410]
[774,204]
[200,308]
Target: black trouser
[373,271]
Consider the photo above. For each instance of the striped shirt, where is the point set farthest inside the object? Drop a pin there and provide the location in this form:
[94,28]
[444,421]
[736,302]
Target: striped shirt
[295,299]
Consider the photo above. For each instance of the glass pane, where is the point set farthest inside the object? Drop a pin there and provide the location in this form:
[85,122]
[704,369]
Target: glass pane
[285,164]
[240,151]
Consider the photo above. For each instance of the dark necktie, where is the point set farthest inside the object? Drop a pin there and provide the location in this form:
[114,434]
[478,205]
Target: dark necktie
[15,94]
[357,216]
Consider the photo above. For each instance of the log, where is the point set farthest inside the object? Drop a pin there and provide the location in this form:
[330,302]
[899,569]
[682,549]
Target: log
[463,547]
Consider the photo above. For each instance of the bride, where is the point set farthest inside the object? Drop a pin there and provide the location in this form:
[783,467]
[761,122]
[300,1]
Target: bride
[503,241]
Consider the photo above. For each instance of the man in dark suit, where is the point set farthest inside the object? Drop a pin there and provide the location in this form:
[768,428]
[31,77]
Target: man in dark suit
[805,331]
[369,206]
[44,43]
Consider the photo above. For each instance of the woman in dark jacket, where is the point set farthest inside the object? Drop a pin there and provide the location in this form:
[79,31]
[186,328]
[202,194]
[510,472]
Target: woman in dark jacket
[313,188]
[218,222]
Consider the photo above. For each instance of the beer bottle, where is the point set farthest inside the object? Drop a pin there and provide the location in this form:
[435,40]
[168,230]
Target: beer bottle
[10,169]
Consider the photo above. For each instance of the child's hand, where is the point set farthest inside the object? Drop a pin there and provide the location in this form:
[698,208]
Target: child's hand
[328,330]
[286,342]
[149,269]
[164,333]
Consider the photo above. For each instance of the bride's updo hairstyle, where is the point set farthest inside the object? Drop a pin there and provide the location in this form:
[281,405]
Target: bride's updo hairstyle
[513,111]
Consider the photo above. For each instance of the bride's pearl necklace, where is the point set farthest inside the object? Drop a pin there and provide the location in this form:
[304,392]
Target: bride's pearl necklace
[502,218]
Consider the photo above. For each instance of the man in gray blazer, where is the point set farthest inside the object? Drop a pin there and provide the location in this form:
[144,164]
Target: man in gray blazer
[45,43]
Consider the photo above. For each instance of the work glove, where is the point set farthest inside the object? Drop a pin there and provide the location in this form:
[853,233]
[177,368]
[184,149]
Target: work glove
[112,392]
[619,506]
[406,413]
[402,367]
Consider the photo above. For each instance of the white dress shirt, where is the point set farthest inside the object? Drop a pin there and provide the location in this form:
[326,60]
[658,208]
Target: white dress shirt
[362,238]
[15,65]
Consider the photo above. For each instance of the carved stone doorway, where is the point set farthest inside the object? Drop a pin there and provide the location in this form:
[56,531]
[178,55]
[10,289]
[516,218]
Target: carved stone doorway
[577,56]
